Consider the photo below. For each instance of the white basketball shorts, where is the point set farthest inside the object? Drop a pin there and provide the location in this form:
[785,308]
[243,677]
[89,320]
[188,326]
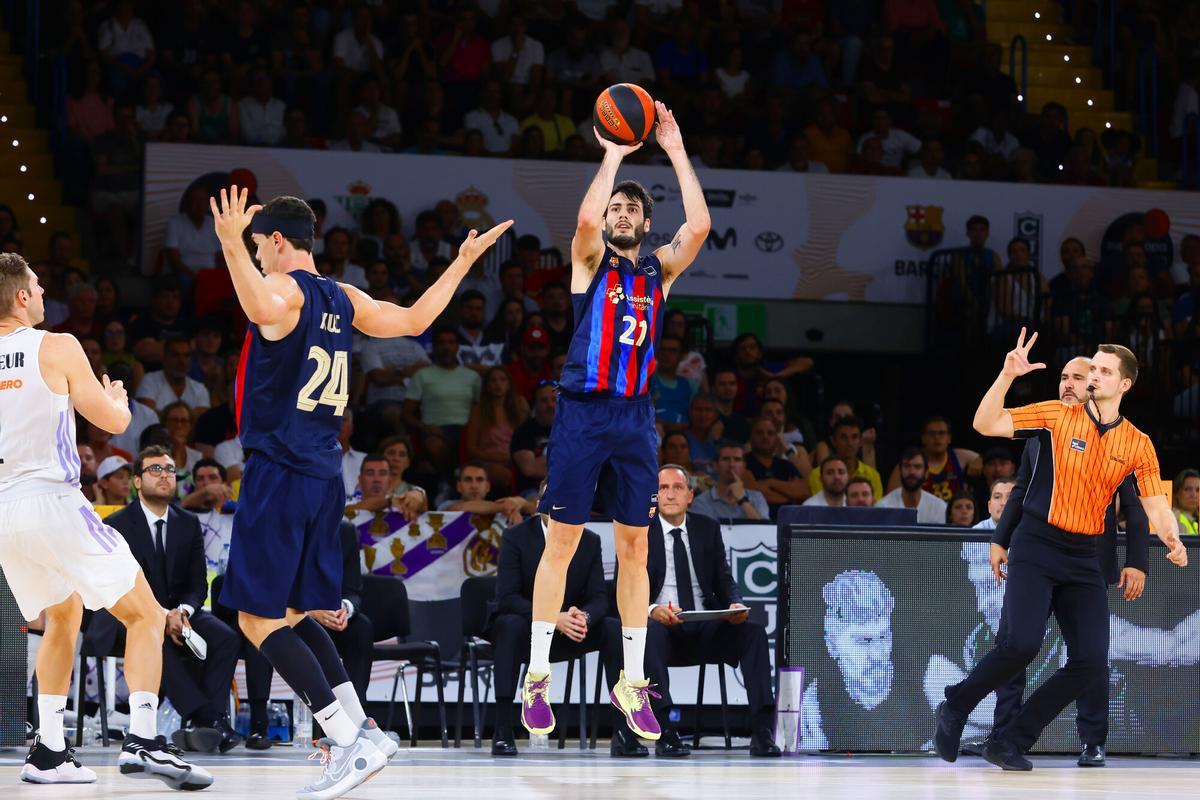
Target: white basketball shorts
[54,544]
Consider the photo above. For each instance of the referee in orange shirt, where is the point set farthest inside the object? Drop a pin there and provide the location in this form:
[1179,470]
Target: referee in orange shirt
[1053,565]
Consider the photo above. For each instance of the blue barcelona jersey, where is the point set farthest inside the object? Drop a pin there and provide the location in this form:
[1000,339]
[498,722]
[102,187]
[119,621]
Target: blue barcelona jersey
[290,394]
[617,322]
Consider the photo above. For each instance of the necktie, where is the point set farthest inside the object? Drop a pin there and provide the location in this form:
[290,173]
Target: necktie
[683,572]
[160,555]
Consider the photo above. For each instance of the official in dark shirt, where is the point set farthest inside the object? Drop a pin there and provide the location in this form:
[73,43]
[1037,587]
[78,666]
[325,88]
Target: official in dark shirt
[776,477]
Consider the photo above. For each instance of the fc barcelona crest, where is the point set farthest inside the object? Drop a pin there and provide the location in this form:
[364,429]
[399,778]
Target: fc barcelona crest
[923,228]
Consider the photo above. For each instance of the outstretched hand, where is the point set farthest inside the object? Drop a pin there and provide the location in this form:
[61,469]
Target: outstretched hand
[1016,363]
[666,131]
[621,150]
[115,390]
[475,244]
[232,217]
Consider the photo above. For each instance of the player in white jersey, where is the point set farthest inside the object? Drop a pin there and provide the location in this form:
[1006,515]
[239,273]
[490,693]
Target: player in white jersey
[56,553]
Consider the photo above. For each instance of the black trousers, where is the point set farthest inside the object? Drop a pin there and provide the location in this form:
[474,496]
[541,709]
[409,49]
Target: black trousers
[509,636]
[705,643]
[354,645]
[1049,571]
[200,689]
[258,670]
[1091,708]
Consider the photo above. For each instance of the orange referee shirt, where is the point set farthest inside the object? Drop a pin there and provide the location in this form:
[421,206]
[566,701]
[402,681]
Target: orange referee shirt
[1075,478]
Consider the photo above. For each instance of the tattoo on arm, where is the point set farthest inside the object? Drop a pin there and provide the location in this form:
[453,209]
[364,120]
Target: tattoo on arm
[675,244]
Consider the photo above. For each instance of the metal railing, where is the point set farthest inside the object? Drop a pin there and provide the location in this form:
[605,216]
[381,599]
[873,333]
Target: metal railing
[970,305]
[1147,97]
[1012,67]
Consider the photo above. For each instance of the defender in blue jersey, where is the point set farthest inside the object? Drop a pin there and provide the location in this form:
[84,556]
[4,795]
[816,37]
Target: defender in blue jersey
[292,389]
[603,440]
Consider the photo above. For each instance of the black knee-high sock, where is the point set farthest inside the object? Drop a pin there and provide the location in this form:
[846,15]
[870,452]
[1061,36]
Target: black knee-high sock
[318,641]
[298,666]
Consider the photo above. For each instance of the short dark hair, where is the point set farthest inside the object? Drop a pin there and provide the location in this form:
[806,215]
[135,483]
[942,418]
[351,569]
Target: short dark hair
[672,434]
[441,330]
[635,191]
[932,418]
[150,451]
[670,337]
[859,479]
[978,219]
[528,242]
[687,476]
[316,204]
[292,208]
[371,458]
[962,496]
[1129,362]
[831,459]
[476,465]
[14,276]
[156,434]
[850,421]
[729,444]
[1013,241]
[428,215]
[909,453]
[471,294]
[999,481]
[210,462]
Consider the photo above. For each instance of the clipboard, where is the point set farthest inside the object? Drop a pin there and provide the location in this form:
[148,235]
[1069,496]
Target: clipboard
[705,616]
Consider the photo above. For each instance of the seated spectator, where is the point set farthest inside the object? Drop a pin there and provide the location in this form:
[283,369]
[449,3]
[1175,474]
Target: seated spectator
[100,441]
[736,427]
[338,247]
[190,243]
[998,464]
[884,81]
[141,415]
[798,67]
[512,287]
[532,144]
[87,471]
[947,467]
[556,309]
[382,121]
[1182,270]
[169,547]
[960,511]
[1024,166]
[1079,310]
[492,424]
[703,434]
[1001,489]
[1048,139]
[211,490]
[671,393]
[729,498]
[870,159]
[532,364]
[499,129]
[859,493]
[172,383]
[680,60]
[754,370]
[691,364]
[371,489]
[829,143]
[556,128]
[518,59]
[1187,501]
[81,321]
[431,245]
[674,450]
[473,488]
[474,351]
[776,478]
[929,162]
[790,443]
[506,328]
[1077,169]
[260,113]
[574,64]
[732,76]
[439,400]
[113,477]
[213,114]
[834,477]
[356,50]
[621,62]
[824,447]
[1137,284]
[126,45]
[410,499]
[178,129]
[798,159]
[530,439]
[90,107]
[914,470]
[357,130]
[897,144]
[154,111]
[583,625]
[995,137]
[465,57]
[388,364]
[178,418]
[847,441]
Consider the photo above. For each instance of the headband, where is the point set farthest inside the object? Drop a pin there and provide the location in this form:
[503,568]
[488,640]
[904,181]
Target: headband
[290,227]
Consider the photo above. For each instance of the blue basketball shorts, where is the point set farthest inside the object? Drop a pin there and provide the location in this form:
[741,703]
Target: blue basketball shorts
[286,547]
[602,449]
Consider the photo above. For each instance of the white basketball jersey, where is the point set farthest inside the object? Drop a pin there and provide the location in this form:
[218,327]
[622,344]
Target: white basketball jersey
[37,426]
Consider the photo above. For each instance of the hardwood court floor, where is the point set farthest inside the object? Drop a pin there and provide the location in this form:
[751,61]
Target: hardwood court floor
[433,773]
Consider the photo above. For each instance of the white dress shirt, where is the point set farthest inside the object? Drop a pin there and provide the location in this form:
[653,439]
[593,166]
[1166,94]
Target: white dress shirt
[669,594]
[988,524]
[151,520]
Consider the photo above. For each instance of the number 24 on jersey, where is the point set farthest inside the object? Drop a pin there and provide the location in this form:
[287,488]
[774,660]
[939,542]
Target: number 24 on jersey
[332,377]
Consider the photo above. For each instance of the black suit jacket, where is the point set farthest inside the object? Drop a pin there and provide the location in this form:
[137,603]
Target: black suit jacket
[1137,524]
[521,549]
[187,571]
[710,569]
[352,580]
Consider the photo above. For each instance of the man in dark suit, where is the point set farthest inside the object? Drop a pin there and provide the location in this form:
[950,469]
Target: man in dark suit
[351,630]
[169,546]
[688,571]
[582,626]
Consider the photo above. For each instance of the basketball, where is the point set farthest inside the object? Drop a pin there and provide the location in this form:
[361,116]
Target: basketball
[624,113]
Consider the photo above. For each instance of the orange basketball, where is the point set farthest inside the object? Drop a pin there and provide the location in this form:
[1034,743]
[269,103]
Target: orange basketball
[624,113]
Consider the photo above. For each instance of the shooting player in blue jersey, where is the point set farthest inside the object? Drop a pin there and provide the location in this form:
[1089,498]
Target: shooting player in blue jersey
[292,389]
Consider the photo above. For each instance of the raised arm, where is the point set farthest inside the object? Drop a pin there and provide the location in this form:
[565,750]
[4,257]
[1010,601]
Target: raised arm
[681,252]
[991,418]
[386,320]
[588,244]
[268,300]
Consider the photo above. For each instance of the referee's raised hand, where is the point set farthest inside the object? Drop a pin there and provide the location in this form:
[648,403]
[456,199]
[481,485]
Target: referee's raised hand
[1016,363]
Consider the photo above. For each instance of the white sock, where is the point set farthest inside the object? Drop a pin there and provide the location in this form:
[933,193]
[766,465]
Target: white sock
[143,714]
[541,634]
[345,694]
[51,708]
[633,642]
[336,724]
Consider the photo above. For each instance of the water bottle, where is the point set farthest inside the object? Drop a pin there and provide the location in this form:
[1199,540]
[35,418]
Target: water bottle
[223,559]
[277,723]
[168,719]
[302,721]
[242,723]
[539,741]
